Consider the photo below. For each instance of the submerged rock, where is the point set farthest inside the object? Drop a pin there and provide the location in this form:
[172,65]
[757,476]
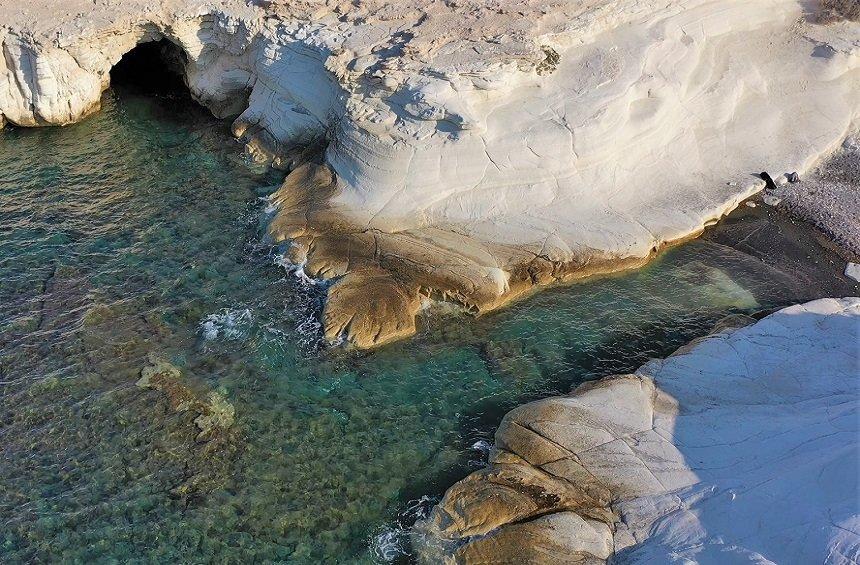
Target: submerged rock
[215,413]
[690,459]
[215,417]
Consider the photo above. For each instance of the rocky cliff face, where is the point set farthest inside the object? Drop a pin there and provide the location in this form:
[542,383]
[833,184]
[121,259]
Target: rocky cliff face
[476,149]
[741,447]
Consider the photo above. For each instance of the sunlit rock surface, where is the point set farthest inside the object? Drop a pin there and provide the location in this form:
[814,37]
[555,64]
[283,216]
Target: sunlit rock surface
[478,149]
[741,447]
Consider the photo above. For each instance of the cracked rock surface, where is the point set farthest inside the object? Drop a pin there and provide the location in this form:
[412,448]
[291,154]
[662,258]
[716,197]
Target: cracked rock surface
[476,149]
[740,447]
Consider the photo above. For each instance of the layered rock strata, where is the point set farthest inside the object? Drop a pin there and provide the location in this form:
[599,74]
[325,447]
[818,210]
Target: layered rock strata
[742,446]
[475,149]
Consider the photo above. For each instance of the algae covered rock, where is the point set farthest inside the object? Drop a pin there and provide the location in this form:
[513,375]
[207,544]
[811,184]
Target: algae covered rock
[215,413]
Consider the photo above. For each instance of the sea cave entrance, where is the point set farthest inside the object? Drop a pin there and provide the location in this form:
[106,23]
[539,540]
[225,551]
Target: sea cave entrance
[155,68]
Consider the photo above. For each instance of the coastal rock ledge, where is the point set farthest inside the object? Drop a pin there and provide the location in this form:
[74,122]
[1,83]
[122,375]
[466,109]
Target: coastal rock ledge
[472,150]
[740,447]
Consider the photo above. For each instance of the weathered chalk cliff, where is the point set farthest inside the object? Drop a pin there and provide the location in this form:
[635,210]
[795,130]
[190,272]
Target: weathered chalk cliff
[741,447]
[474,149]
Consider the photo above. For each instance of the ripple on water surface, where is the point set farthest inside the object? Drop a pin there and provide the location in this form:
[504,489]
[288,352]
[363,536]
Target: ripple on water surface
[139,231]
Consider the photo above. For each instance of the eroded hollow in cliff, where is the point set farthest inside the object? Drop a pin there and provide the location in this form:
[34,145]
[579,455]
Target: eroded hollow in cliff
[154,68]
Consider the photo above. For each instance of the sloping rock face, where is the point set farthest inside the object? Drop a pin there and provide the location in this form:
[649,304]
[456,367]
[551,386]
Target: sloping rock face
[741,447]
[476,149]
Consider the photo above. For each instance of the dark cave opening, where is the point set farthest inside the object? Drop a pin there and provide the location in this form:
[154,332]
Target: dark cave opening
[156,68]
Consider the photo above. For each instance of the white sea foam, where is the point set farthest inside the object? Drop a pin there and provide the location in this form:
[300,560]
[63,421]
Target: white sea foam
[387,546]
[271,207]
[309,330]
[338,341]
[481,448]
[227,323]
[392,543]
[297,269]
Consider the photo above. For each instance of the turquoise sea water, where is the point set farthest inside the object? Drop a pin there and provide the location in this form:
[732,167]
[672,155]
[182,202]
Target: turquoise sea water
[142,231]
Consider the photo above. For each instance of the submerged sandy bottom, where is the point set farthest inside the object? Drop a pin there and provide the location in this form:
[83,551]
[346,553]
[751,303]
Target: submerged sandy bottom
[140,231]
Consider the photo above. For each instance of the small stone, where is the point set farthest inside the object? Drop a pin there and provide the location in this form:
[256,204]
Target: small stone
[852,270]
[792,177]
[771,200]
[750,204]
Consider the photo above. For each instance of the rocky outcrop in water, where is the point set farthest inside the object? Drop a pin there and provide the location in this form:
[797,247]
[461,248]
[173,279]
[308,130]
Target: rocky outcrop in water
[214,413]
[476,150]
[741,446]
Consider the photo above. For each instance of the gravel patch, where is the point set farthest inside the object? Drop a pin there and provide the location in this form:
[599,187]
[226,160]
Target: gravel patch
[828,197]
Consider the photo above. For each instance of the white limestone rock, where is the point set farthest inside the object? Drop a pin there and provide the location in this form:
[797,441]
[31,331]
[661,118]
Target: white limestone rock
[582,133]
[742,447]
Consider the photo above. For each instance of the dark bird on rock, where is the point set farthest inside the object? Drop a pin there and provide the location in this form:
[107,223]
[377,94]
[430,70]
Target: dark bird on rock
[770,185]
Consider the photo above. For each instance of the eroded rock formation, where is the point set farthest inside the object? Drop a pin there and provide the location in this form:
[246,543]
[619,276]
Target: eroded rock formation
[741,446]
[214,414]
[476,149]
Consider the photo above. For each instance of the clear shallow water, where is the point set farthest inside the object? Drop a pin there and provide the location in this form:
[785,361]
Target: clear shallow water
[141,231]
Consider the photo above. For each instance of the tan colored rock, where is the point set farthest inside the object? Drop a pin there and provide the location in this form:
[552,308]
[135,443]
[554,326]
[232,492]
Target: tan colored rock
[502,494]
[385,277]
[215,414]
[370,308]
[554,428]
[574,472]
[529,444]
[561,538]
